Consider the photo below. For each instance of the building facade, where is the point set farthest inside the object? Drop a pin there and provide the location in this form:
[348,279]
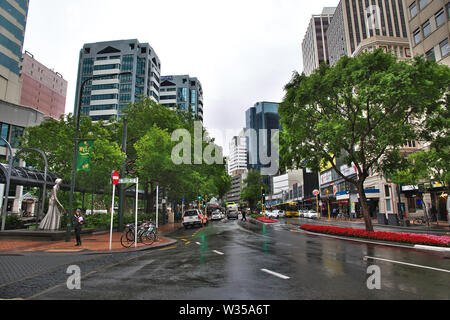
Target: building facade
[237,184]
[13,19]
[237,160]
[314,45]
[117,73]
[13,122]
[182,92]
[360,26]
[261,120]
[42,88]
[429,28]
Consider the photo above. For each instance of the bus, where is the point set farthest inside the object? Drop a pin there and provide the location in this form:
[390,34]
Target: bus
[290,208]
[231,206]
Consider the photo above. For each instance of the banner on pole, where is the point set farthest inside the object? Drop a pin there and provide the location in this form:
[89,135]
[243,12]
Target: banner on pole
[83,158]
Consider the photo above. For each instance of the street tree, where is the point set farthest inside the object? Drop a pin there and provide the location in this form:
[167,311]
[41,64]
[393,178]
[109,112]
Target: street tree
[362,110]
[252,189]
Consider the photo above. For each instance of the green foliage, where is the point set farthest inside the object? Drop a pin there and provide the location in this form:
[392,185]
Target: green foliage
[13,222]
[251,191]
[363,110]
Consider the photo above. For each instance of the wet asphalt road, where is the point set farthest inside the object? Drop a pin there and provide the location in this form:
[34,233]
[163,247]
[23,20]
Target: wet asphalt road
[228,260]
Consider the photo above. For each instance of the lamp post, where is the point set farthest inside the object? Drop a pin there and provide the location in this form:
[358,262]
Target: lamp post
[75,153]
[8,179]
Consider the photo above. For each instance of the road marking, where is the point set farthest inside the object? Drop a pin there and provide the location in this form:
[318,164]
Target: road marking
[275,274]
[183,240]
[187,243]
[168,248]
[198,243]
[218,252]
[408,264]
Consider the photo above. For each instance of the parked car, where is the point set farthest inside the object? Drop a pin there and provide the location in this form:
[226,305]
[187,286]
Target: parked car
[302,212]
[216,215]
[233,214]
[194,217]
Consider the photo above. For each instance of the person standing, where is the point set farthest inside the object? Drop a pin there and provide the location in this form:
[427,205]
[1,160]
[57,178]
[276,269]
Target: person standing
[78,224]
[244,211]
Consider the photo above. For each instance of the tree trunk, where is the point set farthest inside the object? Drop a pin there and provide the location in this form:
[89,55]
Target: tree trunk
[365,207]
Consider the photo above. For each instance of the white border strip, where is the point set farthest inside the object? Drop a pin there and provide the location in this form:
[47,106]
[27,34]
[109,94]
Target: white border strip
[218,252]
[407,264]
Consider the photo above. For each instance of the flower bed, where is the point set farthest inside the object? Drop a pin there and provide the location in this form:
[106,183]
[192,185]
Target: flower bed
[424,239]
[265,220]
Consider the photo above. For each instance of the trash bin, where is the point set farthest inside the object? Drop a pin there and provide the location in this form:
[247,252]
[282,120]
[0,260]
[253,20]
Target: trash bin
[382,218]
[393,219]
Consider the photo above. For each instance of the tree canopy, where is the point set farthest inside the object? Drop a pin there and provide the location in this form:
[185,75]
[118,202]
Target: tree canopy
[362,110]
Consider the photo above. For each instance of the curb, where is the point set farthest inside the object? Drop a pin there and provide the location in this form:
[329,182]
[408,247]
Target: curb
[383,243]
[89,252]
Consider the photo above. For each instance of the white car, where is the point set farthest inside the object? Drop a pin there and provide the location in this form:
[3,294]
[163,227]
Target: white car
[216,215]
[275,214]
[310,214]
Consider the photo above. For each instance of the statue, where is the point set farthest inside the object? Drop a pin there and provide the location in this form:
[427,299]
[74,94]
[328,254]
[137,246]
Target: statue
[52,219]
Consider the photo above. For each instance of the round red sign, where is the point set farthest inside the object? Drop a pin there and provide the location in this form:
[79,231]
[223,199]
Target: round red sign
[115,177]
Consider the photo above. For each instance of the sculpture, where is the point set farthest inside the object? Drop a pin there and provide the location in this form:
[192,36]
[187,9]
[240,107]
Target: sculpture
[52,219]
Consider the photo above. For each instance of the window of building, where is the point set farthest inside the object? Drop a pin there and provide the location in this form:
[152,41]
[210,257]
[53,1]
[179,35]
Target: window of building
[426,27]
[422,4]
[445,50]
[447,6]
[107,67]
[407,52]
[413,10]
[127,62]
[417,36]
[430,54]
[16,134]
[388,205]
[440,18]
[4,133]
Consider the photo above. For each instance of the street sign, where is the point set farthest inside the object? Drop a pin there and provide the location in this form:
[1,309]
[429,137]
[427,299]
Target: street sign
[315,192]
[115,177]
[128,180]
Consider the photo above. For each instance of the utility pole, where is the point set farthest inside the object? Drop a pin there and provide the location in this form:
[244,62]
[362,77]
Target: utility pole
[122,175]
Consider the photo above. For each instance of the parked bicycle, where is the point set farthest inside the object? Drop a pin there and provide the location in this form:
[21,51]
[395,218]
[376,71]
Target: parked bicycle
[419,220]
[147,234]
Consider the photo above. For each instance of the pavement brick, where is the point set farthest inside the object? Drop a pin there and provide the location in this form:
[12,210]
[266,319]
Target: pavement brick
[91,242]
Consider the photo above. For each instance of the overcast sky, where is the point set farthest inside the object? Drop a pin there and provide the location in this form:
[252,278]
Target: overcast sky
[242,51]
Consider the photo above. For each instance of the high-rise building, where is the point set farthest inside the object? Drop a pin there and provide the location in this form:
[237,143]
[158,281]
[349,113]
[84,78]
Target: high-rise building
[117,73]
[42,88]
[237,160]
[13,19]
[360,26]
[429,28]
[261,119]
[183,93]
[314,45]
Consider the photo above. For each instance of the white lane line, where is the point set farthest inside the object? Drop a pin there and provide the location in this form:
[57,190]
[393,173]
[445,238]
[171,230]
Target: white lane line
[218,252]
[275,274]
[408,264]
[198,243]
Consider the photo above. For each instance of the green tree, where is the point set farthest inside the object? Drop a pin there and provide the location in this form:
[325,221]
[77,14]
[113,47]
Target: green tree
[363,110]
[252,190]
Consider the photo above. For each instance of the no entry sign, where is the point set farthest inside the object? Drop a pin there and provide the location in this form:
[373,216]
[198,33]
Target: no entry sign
[115,177]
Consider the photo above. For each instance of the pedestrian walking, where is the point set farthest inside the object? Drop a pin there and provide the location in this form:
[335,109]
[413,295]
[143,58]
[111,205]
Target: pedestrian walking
[78,224]
[244,211]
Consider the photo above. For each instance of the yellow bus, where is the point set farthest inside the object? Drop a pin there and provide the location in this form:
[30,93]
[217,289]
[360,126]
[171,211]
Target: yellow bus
[290,208]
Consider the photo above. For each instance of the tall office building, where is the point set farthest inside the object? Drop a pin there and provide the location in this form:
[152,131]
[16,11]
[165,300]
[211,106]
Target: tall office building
[42,89]
[183,93]
[360,26]
[263,115]
[429,28]
[314,45]
[13,19]
[237,160]
[117,73]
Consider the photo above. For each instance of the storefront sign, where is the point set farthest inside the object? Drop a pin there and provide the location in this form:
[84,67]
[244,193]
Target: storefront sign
[348,171]
[326,177]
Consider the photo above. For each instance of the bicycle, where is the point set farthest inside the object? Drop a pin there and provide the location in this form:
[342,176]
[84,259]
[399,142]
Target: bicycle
[147,234]
[419,220]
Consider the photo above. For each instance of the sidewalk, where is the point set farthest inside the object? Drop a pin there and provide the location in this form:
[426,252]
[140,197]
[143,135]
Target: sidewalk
[440,229]
[91,243]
